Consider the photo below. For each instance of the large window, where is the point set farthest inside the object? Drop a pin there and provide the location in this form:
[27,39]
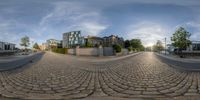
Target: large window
[196,47]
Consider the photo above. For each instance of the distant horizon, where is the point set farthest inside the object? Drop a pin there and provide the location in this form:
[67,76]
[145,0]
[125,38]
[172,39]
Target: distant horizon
[149,21]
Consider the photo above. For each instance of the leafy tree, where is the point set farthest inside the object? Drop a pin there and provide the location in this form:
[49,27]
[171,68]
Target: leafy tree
[88,44]
[117,48]
[36,46]
[180,38]
[158,47]
[137,44]
[127,44]
[25,41]
[142,48]
[129,49]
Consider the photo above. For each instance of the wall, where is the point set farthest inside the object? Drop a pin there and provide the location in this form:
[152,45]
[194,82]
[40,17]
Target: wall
[125,51]
[71,51]
[105,51]
[88,51]
[108,51]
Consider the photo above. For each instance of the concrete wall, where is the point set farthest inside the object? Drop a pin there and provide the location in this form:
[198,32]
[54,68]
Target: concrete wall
[105,51]
[125,51]
[71,51]
[88,51]
[108,51]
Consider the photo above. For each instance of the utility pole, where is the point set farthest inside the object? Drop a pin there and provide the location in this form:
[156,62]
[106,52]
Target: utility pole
[165,45]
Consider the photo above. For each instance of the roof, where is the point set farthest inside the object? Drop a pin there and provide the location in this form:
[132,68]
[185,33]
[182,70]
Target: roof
[93,37]
[7,42]
[70,32]
[197,42]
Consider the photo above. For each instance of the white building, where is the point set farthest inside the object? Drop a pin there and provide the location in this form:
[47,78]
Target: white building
[44,46]
[195,46]
[6,47]
[53,43]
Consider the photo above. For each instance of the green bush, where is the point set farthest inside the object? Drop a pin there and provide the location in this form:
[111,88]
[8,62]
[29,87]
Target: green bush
[117,48]
[129,49]
[60,50]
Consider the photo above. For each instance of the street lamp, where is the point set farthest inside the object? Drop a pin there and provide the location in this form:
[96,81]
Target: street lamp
[165,45]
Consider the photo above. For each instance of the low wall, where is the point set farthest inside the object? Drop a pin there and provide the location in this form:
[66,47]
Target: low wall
[105,51]
[125,51]
[71,51]
[108,51]
[89,51]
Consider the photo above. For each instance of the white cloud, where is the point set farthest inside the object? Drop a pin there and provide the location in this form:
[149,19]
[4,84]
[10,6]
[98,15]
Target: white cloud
[76,16]
[195,25]
[148,32]
[92,28]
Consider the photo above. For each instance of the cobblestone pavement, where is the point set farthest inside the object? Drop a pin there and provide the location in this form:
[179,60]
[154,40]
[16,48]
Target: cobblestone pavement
[59,77]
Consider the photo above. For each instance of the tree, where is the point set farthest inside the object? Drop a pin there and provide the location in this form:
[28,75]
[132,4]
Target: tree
[36,46]
[117,48]
[137,44]
[88,44]
[129,49]
[158,46]
[25,41]
[180,39]
[127,44]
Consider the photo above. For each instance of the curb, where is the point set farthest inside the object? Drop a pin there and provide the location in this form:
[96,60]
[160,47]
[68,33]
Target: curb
[181,65]
[179,59]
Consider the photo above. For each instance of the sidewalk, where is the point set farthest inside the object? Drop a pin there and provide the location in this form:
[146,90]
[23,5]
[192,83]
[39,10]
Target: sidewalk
[180,63]
[189,60]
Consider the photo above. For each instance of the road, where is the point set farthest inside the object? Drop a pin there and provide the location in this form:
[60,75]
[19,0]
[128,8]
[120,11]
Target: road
[57,76]
[184,64]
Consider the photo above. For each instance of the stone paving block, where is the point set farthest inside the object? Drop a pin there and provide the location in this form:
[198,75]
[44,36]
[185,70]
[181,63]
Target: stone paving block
[60,76]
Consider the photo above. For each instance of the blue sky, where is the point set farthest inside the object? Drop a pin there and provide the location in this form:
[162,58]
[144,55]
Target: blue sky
[149,20]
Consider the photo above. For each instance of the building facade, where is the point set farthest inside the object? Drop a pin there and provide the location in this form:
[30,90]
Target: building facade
[113,40]
[43,46]
[53,43]
[195,46]
[71,39]
[7,47]
[93,41]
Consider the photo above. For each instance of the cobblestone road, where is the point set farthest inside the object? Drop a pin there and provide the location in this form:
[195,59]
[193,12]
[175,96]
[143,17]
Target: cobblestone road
[59,77]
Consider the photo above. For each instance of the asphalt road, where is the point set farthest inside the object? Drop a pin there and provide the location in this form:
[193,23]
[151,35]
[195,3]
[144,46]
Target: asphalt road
[189,66]
[11,63]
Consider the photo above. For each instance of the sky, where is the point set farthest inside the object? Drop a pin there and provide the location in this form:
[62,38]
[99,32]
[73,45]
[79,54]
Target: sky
[148,20]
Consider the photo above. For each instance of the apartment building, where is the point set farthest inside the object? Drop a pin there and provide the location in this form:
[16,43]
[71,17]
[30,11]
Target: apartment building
[93,41]
[71,39]
[112,40]
[53,43]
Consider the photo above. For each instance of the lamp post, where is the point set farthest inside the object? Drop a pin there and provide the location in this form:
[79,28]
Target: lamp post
[165,45]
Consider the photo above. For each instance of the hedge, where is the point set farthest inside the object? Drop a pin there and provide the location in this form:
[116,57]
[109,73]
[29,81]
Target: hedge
[117,48]
[129,49]
[60,50]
